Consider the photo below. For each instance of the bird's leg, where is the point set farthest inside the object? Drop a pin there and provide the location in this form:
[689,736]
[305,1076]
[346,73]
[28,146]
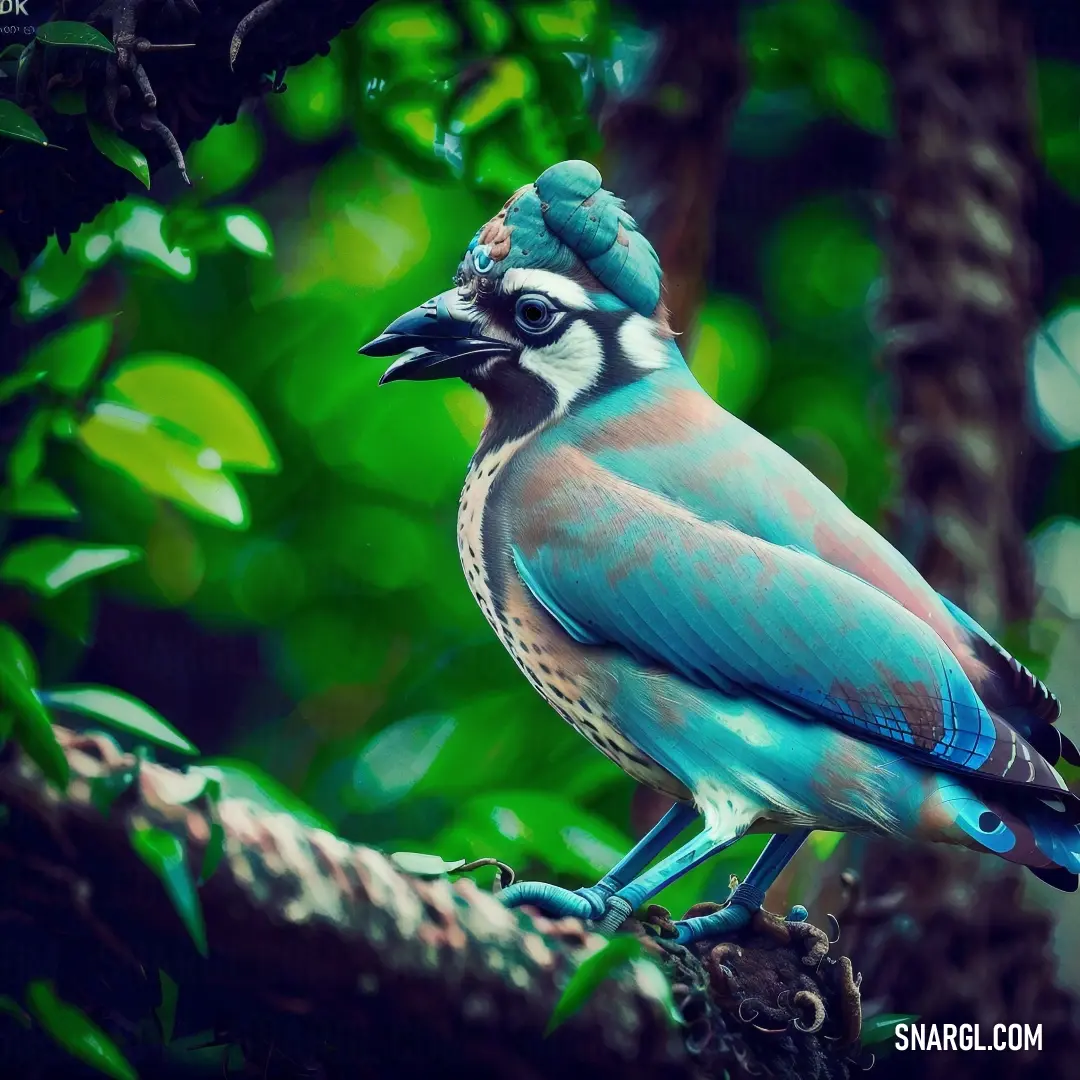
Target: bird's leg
[744,901]
[591,903]
[622,903]
[648,847]
[749,895]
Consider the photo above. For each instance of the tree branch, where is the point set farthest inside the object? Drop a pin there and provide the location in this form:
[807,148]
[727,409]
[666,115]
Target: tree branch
[56,188]
[323,957]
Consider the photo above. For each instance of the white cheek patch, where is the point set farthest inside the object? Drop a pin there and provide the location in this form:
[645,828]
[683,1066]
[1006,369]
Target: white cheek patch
[642,345]
[571,365]
[566,293]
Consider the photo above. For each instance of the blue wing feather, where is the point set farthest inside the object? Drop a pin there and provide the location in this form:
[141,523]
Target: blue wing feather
[619,565]
[665,435]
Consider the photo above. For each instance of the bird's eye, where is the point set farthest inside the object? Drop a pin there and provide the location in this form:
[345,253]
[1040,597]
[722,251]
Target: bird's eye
[534,314]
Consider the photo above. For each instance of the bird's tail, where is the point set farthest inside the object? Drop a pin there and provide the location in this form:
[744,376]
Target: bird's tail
[1026,827]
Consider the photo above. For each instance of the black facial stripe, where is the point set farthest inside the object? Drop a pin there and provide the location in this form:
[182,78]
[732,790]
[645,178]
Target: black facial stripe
[519,402]
[617,369]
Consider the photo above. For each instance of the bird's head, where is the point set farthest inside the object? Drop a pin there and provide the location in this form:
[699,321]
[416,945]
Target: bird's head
[556,300]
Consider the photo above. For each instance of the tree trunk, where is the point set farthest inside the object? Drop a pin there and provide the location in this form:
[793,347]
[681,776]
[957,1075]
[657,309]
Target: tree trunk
[958,300]
[664,144]
[941,933]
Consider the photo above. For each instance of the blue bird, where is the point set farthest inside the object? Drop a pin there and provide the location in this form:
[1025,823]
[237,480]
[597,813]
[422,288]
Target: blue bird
[693,600]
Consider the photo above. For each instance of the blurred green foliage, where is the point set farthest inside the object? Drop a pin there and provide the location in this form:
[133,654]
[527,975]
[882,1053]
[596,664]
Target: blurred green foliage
[619,951]
[199,433]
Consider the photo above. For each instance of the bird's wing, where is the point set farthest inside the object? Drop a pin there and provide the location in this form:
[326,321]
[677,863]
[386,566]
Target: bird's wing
[619,565]
[666,434]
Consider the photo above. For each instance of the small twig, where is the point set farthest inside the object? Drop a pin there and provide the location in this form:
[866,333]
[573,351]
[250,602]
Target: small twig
[142,45]
[151,123]
[247,23]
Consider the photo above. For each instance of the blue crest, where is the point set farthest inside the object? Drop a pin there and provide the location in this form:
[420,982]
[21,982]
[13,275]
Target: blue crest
[567,215]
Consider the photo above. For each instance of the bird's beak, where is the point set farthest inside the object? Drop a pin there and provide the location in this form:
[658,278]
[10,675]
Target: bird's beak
[439,340]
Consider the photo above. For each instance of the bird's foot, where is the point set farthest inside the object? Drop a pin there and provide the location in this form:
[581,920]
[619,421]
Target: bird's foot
[595,905]
[606,911]
[743,908]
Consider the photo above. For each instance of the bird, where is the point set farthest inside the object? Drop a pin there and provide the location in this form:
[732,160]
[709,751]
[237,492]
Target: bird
[693,600]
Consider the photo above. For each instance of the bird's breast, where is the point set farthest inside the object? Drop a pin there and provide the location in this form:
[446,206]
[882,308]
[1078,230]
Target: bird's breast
[566,674]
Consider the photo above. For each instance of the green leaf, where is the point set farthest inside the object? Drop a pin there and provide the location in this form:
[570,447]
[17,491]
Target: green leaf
[590,973]
[314,107]
[859,89]
[17,654]
[19,384]
[228,154]
[200,400]
[489,24]
[76,1032]
[213,853]
[51,280]
[16,124]
[523,826]
[434,753]
[71,612]
[571,22]
[37,499]
[878,1029]
[48,564]
[22,68]
[119,710]
[10,1007]
[120,152]
[510,80]
[652,977]
[164,854]
[190,476]
[823,844]
[105,790]
[138,233]
[402,27]
[77,34]
[28,453]
[428,866]
[166,1011]
[243,780]
[199,1054]
[194,228]
[249,232]
[33,729]
[71,357]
